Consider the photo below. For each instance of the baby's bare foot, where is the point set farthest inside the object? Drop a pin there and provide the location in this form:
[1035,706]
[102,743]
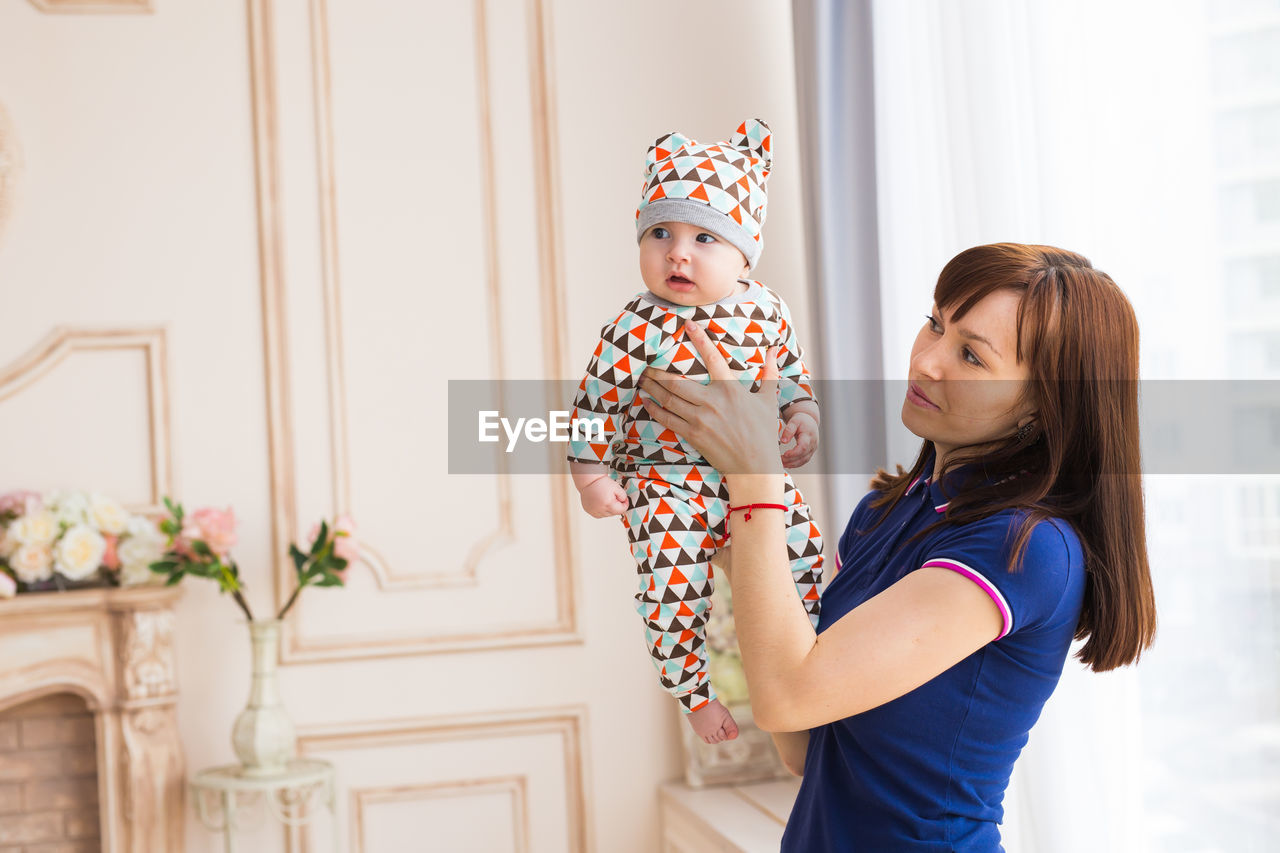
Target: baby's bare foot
[713,722]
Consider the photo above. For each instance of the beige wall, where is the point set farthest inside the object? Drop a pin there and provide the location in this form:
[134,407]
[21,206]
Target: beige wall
[249,244]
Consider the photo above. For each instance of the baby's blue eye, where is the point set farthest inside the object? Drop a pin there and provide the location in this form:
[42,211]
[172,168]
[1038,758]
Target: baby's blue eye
[970,357]
[710,239]
[660,232]
[934,325]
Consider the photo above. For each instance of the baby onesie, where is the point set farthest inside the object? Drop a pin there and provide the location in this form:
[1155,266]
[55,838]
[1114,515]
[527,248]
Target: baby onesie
[677,503]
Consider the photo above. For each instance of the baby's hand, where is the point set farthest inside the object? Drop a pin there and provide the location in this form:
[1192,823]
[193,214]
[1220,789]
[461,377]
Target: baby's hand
[604,497]
[802,427]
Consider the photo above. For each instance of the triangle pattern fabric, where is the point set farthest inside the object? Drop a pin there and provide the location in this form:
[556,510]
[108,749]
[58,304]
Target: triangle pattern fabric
[674,571]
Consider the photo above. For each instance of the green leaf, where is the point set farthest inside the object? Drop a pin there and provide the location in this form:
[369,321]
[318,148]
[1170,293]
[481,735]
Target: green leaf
[173,579]
[201,547]
[228,578]
[321,538]
[175,509]
[163,565]
[329,580]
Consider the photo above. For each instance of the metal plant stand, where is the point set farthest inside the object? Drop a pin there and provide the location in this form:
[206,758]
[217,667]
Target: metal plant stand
[227,801]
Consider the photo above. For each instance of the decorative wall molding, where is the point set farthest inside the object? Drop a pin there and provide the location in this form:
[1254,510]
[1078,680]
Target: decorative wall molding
[562,626]
[515,787]
[93,6]
[388,576]
[10,166]
[568,723]
[64,342]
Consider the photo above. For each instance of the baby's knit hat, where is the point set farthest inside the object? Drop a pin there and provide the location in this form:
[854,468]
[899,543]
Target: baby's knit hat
[718,186]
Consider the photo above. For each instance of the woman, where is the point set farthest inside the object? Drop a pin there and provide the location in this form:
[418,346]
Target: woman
[962,581]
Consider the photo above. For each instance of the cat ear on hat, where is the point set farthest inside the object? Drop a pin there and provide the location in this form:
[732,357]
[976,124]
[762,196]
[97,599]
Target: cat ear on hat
[754,136]
[661,149]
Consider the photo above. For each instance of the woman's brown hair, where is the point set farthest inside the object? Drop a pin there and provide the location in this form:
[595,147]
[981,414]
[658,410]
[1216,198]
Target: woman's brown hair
[1081,462]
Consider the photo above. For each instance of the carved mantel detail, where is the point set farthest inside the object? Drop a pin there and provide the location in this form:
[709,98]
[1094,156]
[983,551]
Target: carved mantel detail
[113,647]
[146,639]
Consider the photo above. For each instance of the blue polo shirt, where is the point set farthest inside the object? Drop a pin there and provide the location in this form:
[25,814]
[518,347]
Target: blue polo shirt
[928,771]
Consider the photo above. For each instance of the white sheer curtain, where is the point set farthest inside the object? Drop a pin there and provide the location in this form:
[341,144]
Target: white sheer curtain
[1145,135]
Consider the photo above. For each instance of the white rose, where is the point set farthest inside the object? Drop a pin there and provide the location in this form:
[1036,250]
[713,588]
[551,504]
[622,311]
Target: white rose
[140,525]
[32,563]
[137,574]
[107,515]
[136,554]
[8,589]
[38,528]
[7,543]
[79,552]
[70,508]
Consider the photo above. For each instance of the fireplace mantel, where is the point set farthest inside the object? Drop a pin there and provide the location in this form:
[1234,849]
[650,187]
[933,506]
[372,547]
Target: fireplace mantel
[113,647]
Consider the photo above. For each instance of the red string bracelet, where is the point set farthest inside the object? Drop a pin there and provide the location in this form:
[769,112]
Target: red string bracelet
[749,507]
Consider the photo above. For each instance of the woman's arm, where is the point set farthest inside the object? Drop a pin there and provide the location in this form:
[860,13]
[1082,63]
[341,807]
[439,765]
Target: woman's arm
[891,644]
[792,747]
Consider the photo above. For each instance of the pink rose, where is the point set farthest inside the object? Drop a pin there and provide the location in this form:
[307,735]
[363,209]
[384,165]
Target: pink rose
[20,502]
[109,557]
[182,547]
[215,526]
[346,546]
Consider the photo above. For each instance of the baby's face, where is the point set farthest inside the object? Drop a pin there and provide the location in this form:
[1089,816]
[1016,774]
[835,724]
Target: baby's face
[689,265]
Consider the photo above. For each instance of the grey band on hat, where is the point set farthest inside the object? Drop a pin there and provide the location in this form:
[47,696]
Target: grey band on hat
[703,216]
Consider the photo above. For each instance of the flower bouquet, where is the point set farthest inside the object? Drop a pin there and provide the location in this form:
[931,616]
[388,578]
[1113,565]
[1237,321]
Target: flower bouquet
[200,545]
[69,538]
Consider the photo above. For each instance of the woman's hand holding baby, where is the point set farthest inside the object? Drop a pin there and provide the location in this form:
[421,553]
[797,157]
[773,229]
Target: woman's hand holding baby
[734,429]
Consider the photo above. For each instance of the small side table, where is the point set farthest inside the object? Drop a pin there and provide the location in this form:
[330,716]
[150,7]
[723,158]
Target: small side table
[292,797]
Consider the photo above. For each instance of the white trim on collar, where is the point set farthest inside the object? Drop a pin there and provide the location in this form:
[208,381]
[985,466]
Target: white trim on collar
[926,480]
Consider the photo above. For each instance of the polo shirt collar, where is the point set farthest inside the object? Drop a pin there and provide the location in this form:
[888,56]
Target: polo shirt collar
[940,491]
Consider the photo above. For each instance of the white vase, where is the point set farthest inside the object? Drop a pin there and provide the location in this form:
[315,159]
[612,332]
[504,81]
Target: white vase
[263,735]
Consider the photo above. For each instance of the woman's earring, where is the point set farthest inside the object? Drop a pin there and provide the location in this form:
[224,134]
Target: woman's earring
[1024,431]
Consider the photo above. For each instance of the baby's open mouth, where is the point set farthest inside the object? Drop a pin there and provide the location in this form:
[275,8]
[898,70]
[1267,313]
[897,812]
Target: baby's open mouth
[679,279]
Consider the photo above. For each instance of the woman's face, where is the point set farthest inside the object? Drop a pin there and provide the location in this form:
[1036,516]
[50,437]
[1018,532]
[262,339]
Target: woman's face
[965,383]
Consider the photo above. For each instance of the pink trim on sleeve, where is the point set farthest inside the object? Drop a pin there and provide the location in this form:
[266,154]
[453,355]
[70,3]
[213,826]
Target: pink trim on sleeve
[987,586]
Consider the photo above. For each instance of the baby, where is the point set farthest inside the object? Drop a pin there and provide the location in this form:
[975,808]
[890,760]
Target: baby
[698,226]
